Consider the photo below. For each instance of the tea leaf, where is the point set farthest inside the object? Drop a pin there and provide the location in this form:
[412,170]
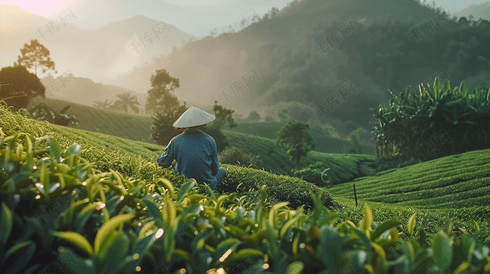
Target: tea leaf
[75,239]
[109,228]
[411,224]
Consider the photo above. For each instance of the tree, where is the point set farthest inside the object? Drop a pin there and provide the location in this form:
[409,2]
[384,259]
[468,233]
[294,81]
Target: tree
[104,105]
[253,116]
[223,116]
[160,98]
[126,100]
[19,86]
[269,119]
[163,130]
[295,137]
[35,56]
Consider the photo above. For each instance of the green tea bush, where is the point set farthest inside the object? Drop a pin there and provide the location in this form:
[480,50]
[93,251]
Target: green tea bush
[313,174]
[236,156]
[279,188]
[59,212]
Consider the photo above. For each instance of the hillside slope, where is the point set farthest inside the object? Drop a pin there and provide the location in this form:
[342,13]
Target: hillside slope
[275,158]
[457,181]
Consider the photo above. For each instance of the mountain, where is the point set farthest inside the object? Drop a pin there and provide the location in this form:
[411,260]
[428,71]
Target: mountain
[477,10]
[98,54]
[209,66]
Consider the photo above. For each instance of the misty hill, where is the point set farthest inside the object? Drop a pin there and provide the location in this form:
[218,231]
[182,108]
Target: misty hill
[477,10]
[279,47]
[97,54]
[280,51]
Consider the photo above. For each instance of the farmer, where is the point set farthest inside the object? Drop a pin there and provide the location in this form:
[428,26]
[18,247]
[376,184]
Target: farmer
[195,151]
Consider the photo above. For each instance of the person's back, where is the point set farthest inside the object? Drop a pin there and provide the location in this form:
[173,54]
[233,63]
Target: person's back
[195,151]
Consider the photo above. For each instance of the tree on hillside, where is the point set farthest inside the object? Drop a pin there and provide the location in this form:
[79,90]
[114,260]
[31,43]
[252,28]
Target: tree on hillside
[19,86]
[126,100]
[163,130]
[160,99]
[35,56]
[295,137]
[104,105]
[253,116]
[223,116]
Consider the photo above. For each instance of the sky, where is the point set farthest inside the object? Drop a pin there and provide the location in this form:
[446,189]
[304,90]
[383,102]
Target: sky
[196,17]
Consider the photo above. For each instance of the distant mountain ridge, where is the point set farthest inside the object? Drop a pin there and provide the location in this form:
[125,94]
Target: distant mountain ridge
[99,54]
[477,10]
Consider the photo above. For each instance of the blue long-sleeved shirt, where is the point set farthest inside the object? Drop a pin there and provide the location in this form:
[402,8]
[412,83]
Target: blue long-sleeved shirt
[196,155]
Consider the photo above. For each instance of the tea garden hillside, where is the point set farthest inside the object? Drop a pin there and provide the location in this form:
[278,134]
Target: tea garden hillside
[73,188]
[82,194]
[90,202]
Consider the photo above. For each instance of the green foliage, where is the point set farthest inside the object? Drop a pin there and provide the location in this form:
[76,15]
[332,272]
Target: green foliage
[19,86]
[296,139]
[163,130]
[223,116]
[35,56]
[294,111]
[42,111]
[253,116]
[160,97]
[125,101]
[313,174]
[105,222]
[410,121]
[235,155]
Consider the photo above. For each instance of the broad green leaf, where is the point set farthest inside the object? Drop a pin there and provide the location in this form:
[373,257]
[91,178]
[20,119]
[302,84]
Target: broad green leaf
[19,256]
[384,227]
[63,111]
[115,255]
[169,211]
[331,248]
[295,267]
[224,249]
[411,224]
[363,238]
[184,189]
[109,228]
[74,149]
[75,239]
[367,219]
[75,263]
[273,213]
[443,251]
[54,150]
[168,185]
[6,224]
[154,211]
[141,248]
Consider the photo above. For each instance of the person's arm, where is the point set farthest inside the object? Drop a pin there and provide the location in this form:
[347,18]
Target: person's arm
[166,158]
[214,159]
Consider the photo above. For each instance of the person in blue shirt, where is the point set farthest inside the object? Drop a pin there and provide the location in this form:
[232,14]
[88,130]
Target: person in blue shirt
[195,151]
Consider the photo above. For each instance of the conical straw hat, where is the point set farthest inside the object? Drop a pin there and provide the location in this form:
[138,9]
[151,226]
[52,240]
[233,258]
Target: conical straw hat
[193,117]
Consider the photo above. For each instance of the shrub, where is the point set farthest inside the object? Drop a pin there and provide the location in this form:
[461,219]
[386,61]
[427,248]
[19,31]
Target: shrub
[235,155]
[59,212]
[312,174]
[279,188]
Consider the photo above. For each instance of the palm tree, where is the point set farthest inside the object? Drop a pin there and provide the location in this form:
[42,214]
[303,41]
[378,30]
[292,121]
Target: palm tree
[126,100]
[104,105]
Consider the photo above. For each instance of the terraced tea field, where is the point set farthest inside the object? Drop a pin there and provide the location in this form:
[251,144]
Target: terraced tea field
[451,182]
